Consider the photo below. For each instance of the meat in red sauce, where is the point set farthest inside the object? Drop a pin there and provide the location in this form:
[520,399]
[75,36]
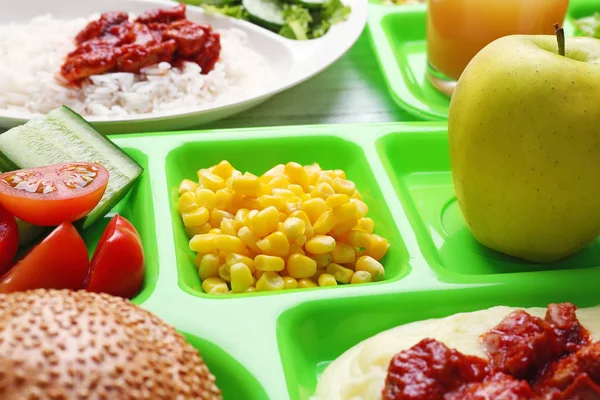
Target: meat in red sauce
[530,359]
[114,44]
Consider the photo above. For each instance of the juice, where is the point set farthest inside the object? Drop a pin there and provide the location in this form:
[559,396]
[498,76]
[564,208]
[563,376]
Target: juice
[458,29]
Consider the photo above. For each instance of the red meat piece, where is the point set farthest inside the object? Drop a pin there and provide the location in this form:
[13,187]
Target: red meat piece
[499,387]
[134,57]
[190,37]
[97,28]
[563,320]
[163,15]
[209,55]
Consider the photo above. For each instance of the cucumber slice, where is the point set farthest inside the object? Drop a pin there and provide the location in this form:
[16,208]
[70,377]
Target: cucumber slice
[64,136]
[266,13]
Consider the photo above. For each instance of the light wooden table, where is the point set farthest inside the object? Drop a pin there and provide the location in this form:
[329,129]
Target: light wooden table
[352,90]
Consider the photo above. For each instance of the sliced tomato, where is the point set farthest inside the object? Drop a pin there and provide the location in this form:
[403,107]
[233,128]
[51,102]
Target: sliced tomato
[118,262]
[54,194]
[60,261]
[9,240]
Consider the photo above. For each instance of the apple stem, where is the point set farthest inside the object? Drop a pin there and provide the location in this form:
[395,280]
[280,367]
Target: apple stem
[560,37]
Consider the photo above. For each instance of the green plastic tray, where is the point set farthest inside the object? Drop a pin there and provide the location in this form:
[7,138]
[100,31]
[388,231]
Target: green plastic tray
[398,35]
[275,345]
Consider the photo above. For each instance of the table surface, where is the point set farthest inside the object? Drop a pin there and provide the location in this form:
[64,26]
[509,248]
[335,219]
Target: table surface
[352,90]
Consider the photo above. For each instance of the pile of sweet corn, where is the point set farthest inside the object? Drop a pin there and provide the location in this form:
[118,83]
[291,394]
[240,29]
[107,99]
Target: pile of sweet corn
[293,227]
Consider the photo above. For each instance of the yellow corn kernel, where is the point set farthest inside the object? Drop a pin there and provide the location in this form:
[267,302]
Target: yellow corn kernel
[223,169]
[306,283]
[343,186]
[251,203]
[275,171]
[216,216]
[187,186]
[359,239]
[297,190]
[197,230]
[268,200]
[296,173]
[300,240]
[283,193]
[324,178]
[365,224]
[203,243]
[337,200]
[320,244]
[227,227]
[252,213]
[265,189]
[341,274]
[241,277]
[248,238]
[342,227]
[211,181]
[222,257]
[292,204]
[269,281]
[196,217]
[377,247]
[289,282]
[301,215]
[361,277]
[219,289]
[345,212]
[327,280]
[360,251]
[301,266]
[275,244]
[282,218]
[296,249]
[343,253]
[247,185]
[234,258]
[339,173]
[356,195]
[372,266]
[215,231]
[209,283]
[187,202]
[223,198]
[197,260]
[225,272]
[269,263]
[293,227]
[322,190]
[229,243]
[361,208]
[242,216]
[279,182]
[209,266]
[323,260]
[324,223]
[206,198]
[265,222]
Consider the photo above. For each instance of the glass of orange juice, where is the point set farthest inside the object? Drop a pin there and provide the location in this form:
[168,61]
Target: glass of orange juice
[458,29]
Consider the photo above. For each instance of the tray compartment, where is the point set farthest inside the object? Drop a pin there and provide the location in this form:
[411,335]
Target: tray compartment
[314,334]
[235,381]
[258,155]
[137,207]
[419,167]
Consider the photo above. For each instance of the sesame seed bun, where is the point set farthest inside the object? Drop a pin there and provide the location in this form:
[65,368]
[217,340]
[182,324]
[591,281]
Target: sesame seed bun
[60,344]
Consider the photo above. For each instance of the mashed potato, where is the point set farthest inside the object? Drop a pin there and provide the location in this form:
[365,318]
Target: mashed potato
[359,373]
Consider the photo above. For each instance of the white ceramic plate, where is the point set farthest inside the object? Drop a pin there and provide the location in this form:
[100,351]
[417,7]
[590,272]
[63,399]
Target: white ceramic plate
[292,61]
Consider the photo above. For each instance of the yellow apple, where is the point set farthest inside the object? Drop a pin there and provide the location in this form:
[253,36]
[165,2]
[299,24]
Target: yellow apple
[524,132]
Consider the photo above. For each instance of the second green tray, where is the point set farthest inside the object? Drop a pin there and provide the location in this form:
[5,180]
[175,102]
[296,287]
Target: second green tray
[398,34]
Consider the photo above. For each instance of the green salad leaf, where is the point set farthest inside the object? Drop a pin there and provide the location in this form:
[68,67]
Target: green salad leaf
[297,22]
[589,26]
[300,22]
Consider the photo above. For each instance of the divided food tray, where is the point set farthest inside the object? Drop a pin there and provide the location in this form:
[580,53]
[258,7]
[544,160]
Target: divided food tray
[274,345]
[398,37]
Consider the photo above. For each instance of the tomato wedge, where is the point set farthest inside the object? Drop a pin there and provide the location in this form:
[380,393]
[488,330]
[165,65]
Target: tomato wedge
[54,194]
[9,240]
[118,262]
[60,261]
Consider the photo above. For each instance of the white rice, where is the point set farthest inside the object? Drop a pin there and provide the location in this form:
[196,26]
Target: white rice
[32,53]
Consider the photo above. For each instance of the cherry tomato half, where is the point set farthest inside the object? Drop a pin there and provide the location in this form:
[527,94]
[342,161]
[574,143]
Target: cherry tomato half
[54,194]
[9,240]
[60,261]
[118,262]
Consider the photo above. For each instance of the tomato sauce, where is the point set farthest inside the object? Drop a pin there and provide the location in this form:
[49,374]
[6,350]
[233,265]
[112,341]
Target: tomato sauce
[530,359]
[113,43]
